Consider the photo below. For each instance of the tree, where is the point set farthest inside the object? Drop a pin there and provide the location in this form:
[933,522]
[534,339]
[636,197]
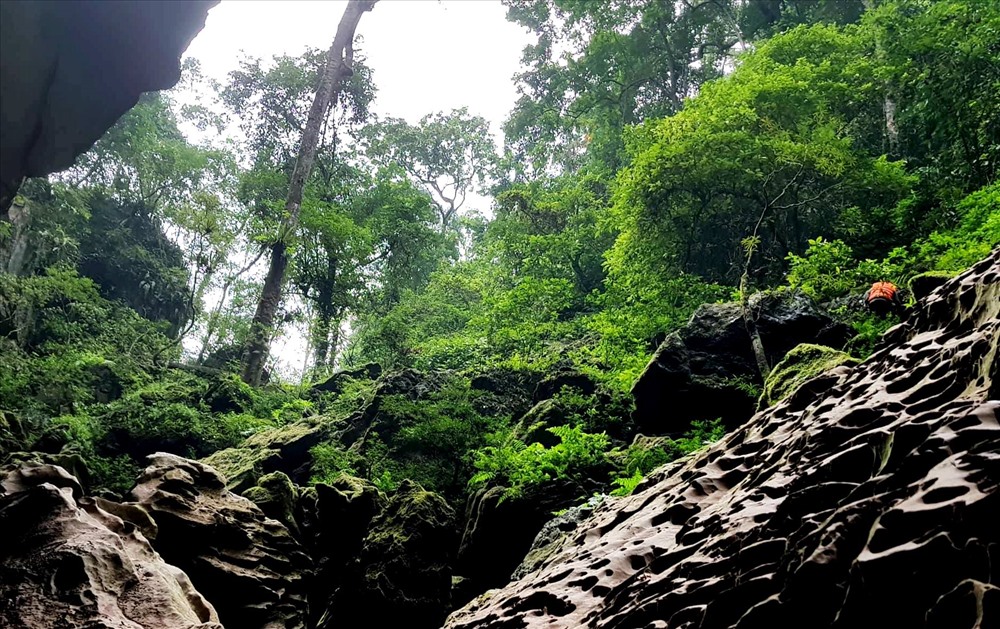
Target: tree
[338,67]
[447,155]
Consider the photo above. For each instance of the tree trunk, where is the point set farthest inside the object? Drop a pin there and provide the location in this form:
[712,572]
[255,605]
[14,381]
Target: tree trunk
[338,67]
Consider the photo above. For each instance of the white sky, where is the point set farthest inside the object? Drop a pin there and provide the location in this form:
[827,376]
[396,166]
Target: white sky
[426,55]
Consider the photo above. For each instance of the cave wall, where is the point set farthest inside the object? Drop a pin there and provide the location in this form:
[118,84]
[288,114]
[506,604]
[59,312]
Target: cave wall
[70,69]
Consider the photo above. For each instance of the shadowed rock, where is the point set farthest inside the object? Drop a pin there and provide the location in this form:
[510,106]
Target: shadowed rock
[868,502]
[69,69]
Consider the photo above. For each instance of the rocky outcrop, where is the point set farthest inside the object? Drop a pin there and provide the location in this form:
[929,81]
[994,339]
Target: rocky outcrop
[869,501]
[71,562]
[70,69]
[406,563]
[499,531]
[708,369]
[251,568]
[803,363]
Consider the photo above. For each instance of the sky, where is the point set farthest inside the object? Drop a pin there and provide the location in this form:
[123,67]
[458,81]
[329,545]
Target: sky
[426,56]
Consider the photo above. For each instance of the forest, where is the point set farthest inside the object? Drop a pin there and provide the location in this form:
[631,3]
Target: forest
[661,157]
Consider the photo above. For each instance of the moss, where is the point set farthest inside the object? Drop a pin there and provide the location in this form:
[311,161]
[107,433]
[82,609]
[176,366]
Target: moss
[241,467]
[275,494]
[923,284]
[802,363]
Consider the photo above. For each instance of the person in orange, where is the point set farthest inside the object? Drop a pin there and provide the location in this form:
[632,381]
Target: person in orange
[883,298]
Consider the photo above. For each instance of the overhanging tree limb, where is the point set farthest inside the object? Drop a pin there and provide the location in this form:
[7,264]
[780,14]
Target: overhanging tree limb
[338,68]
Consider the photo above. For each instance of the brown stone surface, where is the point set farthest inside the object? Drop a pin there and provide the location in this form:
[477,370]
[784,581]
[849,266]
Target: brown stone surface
[870,501]
[249,566]
[67,562]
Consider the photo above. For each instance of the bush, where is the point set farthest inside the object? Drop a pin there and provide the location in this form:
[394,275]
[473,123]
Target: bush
[519,466]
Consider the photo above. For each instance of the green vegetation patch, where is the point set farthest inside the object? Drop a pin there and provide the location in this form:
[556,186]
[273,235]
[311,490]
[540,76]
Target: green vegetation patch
[804,362]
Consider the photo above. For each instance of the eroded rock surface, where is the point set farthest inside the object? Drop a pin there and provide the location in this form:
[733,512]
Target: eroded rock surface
[250,567]
[67,561]
[869,501]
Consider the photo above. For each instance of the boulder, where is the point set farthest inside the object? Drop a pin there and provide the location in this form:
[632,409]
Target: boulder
[248,565]
[406,564]
[71,69]
[335,383]
[70,562]
[708,369]
[803,363]
[533,427]
[868,502]
[276,496]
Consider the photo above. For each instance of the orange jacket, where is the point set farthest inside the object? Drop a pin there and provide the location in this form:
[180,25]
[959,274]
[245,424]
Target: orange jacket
[883,290]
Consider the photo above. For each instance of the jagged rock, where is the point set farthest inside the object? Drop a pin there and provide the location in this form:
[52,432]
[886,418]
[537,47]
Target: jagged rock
[335,383]
[69,562]
[406,563]
[708,369]
[276,495]
[53,50]
[248,565]
[803,363]
[72,462]
[869,502]
[499,531]
[550,539]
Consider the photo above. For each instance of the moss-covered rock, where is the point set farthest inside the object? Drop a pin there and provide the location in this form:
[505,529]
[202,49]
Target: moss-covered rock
[284,449]
[801,364]
[276,495]
[924,284]
[407,561]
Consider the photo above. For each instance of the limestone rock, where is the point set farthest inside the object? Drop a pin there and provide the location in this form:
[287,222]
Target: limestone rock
[70,69]
[276,496]
[868,502]
[802,364]
[406,562]
[251,568]
[69,562]
[708,369]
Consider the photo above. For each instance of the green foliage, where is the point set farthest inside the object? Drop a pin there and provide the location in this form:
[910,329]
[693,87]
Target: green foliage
[519,467]
[643,457]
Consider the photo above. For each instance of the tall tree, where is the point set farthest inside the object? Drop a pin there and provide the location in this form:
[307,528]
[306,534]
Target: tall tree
[339,60]
[447,155]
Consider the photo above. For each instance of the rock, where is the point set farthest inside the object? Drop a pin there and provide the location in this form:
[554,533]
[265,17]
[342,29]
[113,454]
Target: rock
[284,449]
[248,565]
[276,496]
[924,284]
[533,427]
[79,67]
[69,562]
[335,383]
[550,539]
[802,364]
[406,564]
[499,532]
[504,392]
[554,383]
[708,370]
[72,462]
[868,502]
